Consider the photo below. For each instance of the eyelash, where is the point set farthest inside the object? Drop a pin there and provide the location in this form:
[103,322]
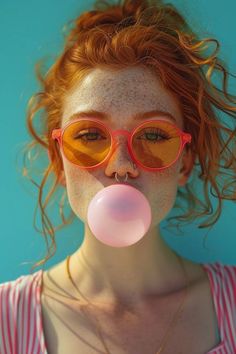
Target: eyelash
[154,131]
[159,133]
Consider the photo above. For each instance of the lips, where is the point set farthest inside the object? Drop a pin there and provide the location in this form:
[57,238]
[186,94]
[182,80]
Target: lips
[125,183]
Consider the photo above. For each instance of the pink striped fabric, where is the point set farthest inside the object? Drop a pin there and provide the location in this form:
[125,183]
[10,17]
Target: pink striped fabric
[223,286]
[21,330]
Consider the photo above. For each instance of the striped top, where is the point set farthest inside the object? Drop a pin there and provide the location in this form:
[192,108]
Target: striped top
[21,326]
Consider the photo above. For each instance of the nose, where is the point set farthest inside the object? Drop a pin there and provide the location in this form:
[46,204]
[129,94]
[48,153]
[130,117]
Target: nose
[121,162]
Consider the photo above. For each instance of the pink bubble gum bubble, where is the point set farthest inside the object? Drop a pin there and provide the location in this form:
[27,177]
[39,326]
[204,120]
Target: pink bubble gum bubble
[119,215]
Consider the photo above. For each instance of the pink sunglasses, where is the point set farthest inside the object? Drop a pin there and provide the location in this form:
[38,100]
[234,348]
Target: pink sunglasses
[150,154]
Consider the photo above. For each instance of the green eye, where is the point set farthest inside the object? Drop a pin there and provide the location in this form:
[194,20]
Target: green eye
[154,135]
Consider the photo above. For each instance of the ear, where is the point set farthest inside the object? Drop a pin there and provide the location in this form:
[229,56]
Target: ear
[187,163]
[62,179]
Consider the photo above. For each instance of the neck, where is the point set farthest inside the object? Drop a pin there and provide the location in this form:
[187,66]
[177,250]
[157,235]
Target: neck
[133,274]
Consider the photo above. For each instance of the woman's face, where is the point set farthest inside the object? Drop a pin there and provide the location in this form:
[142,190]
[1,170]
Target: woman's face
[121,95]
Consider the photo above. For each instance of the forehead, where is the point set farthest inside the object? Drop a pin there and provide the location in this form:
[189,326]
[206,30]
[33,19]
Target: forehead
[121,94]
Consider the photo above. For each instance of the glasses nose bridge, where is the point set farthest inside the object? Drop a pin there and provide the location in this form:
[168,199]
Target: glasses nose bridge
[120,132]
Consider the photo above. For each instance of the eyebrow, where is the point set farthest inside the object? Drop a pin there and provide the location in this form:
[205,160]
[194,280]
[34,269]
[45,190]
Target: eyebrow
[106,116]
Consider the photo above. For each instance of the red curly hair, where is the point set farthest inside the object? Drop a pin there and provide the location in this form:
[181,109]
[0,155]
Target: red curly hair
[154,35]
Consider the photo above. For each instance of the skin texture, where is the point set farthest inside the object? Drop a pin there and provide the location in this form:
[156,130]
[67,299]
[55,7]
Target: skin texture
[131,274]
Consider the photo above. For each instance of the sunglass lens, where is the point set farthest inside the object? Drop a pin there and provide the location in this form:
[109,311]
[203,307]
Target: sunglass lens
[86,143]
[156,144]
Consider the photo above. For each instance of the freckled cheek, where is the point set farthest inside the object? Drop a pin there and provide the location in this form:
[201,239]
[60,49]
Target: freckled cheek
[162,194]
[79,189]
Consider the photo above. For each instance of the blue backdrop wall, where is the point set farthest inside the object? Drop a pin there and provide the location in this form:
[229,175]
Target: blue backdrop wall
[30,31]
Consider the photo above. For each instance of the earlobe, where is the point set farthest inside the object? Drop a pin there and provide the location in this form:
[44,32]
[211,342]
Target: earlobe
[186,168]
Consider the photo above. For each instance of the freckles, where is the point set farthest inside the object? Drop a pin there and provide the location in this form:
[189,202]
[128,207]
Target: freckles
[165,175]
[163,190]
[163,187]
[75,178]
[81,186]
[129,92]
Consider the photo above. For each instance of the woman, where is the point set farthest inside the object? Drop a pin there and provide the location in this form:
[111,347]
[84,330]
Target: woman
[134,71]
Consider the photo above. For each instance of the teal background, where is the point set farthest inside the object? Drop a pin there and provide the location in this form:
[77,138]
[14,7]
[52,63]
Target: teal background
[30,30]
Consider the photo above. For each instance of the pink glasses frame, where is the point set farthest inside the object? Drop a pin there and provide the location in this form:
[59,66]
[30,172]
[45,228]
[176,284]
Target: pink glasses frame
[57,134]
